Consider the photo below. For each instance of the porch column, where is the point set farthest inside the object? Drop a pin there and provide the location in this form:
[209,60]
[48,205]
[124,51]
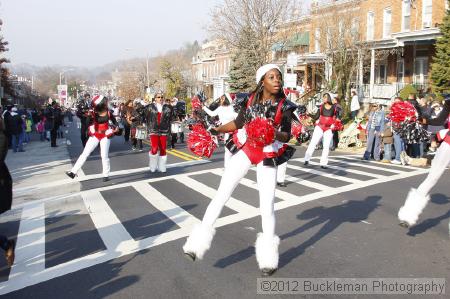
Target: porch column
[372,74]
[360,74]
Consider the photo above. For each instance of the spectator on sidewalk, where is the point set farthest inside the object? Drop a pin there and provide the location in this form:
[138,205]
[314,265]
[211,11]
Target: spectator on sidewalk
[40,128]
[28,129]
[375,126]
[7,123]
[53,117]
[388,139]
[16,131]
[6,194]
[354,105]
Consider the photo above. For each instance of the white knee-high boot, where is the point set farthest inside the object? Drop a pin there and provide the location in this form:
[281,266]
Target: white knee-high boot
[266,248]
[162,160]
[418,198]
[153,162]
[413,207]
[199,241]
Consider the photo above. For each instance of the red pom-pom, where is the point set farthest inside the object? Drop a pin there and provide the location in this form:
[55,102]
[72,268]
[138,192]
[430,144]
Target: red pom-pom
[402,111]
[338,126]
[296,129]
[260,132]
[201,142]
[196,104]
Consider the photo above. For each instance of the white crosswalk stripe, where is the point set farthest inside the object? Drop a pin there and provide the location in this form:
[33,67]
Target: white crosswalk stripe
[29,267]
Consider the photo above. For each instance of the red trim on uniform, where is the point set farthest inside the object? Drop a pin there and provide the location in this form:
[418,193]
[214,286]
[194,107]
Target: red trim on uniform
[159,118]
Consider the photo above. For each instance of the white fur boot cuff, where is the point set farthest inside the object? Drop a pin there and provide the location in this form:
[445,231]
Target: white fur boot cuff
[413,207]
[267,251]
[199,240]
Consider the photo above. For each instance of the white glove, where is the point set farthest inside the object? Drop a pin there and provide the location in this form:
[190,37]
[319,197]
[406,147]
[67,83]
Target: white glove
[312,110]
[92,129]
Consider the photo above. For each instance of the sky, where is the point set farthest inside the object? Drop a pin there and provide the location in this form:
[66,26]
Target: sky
[95,32]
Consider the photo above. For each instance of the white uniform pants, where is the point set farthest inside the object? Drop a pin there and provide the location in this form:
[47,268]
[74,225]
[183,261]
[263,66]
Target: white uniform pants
[438,165]
[227,156]
[236,169]
[281,172]
[91,144]
[317,135]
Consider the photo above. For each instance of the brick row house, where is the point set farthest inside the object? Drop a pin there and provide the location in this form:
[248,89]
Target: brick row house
[399,37]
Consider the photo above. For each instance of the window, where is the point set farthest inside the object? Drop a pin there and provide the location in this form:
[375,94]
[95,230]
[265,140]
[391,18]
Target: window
[341,29]
[421,70]
[387,17]
[400,71]
[406,15]
[355,29]
[381,74]
[370,25]
[317,40]
[329,38]
[427,13]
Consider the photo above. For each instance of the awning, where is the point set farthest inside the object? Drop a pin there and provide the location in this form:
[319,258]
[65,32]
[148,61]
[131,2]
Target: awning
[279,46]
[298,39]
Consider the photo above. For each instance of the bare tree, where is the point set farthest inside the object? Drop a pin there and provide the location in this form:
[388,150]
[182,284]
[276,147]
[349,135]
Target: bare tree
[130,86]
[262,18]
[337,29]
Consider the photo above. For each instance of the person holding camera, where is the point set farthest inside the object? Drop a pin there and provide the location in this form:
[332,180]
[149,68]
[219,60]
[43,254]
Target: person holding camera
[82,114]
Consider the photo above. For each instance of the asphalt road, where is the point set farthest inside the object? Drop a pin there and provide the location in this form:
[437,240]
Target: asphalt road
[123,238]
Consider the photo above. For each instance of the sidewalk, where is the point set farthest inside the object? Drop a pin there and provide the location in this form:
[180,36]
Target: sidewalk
[36,170]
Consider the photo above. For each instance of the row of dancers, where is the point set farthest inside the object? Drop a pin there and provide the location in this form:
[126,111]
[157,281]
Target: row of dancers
[243,150]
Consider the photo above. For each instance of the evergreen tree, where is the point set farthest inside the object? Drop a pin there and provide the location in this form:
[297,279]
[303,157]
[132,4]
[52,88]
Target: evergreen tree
[4,72]
[440,69]
[247,58]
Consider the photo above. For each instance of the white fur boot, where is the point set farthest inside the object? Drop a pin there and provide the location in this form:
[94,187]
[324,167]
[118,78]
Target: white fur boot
[414,205]
[162,160]
[199,241]
[153,162]
[267,252]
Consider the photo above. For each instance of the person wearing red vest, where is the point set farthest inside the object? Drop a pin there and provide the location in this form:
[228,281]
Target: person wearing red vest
[326,117]
[159,116]
[266,106]
[418,198]
[102,127]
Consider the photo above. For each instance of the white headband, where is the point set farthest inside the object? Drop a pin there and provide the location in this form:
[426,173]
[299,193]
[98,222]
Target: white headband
[264,69]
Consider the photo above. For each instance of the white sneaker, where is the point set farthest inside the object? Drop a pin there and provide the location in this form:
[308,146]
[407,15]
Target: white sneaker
[396,162]
[403,156]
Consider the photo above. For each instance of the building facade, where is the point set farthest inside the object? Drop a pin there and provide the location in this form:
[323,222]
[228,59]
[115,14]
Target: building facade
[397,37]
[210,69]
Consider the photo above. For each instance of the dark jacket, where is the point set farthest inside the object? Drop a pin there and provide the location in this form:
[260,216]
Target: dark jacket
[152,119]
[5,177]
[15,125]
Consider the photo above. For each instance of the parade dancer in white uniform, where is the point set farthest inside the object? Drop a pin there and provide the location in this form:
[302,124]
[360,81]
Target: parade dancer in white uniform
[267,103]
[418,198]
[326,115]
[102,126]
[226,114]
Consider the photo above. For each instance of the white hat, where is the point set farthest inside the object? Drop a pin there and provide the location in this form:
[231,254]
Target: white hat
[264,69]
